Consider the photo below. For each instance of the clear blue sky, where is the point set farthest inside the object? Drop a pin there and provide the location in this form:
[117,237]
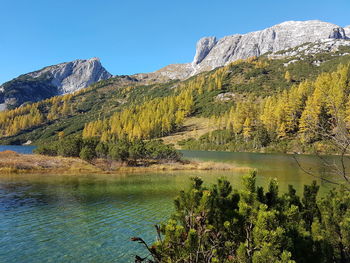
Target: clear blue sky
[133,36]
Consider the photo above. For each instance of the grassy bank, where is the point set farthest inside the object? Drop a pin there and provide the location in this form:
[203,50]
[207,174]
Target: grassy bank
[15,163]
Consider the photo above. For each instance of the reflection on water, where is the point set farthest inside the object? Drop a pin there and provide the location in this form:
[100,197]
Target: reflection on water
[91,218]
[284,167]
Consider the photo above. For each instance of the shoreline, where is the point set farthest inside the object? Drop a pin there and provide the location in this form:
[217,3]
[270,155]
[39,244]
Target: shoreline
[16,163]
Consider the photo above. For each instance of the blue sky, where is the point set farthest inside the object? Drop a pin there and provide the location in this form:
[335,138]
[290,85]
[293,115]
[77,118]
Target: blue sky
[136,36]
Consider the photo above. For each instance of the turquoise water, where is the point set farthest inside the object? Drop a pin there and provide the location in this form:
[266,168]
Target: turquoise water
[86,219]
[92,218]
[18,148]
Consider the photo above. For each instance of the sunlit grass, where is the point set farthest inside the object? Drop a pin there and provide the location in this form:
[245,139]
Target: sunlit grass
[193,128]
[14,163]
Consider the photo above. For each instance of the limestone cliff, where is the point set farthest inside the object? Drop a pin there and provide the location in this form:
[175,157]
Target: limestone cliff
[51,81]
[212,53]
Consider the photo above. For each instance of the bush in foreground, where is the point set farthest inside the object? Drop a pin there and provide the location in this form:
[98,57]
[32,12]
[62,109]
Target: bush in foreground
[219,224]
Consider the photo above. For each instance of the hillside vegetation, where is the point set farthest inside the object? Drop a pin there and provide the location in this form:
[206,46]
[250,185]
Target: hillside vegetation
[301,115]
[258,104]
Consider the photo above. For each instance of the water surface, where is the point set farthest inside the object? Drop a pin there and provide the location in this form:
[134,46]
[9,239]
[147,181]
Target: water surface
[91,218]
[24,149]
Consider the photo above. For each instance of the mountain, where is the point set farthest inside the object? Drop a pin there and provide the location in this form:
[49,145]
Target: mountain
[212,53]
[51,81]
[131,106]
[347,31]
[175,105]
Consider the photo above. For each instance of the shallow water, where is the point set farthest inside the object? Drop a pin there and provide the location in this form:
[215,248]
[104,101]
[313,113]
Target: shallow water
[91,218]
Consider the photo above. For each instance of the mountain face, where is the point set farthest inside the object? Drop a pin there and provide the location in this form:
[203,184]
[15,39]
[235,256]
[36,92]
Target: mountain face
[347,31]
[212,53]
[220,89]
[51,81]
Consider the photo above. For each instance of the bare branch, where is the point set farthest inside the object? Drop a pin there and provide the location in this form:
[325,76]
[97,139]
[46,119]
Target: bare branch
[311,174]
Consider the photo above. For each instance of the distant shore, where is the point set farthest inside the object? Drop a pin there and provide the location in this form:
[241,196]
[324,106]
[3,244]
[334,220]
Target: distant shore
[15,163]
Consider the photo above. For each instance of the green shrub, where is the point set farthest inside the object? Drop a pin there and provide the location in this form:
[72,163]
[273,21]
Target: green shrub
[87,153]
[50,150]
[90,142]
[70,147]
[157,150]
[219,224]
[101,150]
[119,151]
[137,150]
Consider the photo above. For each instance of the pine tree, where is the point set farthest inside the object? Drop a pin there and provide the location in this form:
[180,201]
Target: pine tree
[288,76]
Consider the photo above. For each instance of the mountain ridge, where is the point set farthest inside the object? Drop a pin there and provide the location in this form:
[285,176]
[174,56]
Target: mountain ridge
[212,95]
[49,81]
[212,53]
[66,70]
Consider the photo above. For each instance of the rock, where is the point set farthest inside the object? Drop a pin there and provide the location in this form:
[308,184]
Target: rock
[279,37]
[51,81]
[212,53]
[75,75]
[203,48]
[323,45]
[347,31]
[172,71]
[29,142]
[228,96]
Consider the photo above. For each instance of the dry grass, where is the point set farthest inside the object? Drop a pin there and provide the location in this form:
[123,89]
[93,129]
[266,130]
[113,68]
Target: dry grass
[8,170]
[202,166]
[14,163]
[192,128]
[167,166]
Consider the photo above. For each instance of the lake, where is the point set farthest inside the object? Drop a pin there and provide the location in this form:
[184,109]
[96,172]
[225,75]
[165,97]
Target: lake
[27,149]
[92,218]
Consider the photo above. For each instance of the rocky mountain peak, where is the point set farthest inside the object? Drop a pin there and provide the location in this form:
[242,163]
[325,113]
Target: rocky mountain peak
[203,48]
[212,53]
[75,75]
[51,81]
[276,38]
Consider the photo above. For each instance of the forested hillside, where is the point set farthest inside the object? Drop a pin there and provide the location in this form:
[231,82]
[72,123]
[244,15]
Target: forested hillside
[299,116]
[259,104]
